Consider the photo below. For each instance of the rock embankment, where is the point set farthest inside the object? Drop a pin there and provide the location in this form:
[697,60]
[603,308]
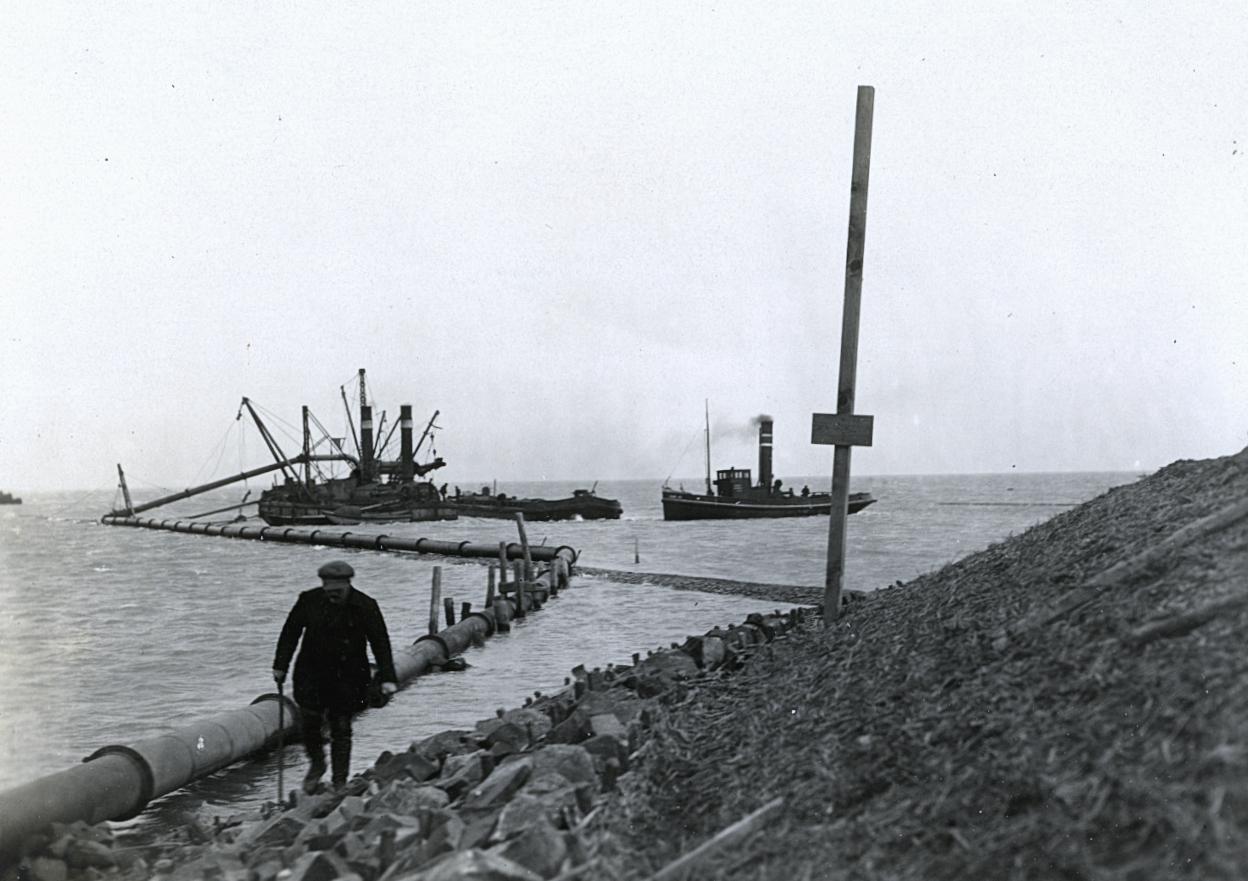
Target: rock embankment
[509,799]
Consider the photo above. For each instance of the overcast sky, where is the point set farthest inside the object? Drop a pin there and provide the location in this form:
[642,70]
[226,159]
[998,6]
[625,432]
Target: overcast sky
[566,225]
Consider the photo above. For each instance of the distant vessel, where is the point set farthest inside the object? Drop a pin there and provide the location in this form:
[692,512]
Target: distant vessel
[7,499]
[583,504]
[376,490]
[735,497]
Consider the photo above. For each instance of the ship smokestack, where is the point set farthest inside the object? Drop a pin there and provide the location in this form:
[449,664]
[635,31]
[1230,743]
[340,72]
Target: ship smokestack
[407,467]
[764,453]
[366,442]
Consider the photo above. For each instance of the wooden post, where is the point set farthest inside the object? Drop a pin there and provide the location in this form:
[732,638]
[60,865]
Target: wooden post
[636,550]
[524,546]
[502,620]
[844,430]
[519,587]
[448,603]
[502,566]
[435,598]
[465,609]
[489,589]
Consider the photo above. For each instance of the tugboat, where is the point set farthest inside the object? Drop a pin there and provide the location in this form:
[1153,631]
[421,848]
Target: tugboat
[583,504]
[735,497]
[7,499]
[376,490]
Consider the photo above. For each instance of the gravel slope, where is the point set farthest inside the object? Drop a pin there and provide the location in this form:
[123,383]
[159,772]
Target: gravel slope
[938,730]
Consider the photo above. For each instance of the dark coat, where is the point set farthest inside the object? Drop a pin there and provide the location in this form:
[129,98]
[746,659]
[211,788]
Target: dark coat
[332,672]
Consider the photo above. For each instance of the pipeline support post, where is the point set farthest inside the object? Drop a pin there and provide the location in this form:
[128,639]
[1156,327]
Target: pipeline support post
[524,547]
[435,598]
[844,430]
[489,589]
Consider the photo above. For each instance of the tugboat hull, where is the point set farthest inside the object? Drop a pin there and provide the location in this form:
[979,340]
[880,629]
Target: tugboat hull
[695,506]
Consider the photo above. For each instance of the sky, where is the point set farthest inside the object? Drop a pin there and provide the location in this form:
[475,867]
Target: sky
[569,227]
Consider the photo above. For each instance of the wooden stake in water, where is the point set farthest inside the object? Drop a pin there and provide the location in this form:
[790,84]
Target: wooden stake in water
[524,547]
[435,599]
[844,430]
[489,589]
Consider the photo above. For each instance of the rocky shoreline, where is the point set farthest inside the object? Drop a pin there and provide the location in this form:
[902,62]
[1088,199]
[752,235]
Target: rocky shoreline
[1069,703]
[510,799]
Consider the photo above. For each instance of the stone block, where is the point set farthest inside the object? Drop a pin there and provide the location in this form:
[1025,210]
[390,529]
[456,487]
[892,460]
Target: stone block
[477,865]
[573,729]
[408,797]
[573,762]
[540,848]
[548,797]
[604,748]
[526,718]
[463,772]
[446,743]
[318,866]
[281,831]
[506,734]
[608,724]
[478,827]
[502,783]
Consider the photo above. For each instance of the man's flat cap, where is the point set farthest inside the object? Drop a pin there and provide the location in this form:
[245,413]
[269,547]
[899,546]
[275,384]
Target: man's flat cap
[337,569]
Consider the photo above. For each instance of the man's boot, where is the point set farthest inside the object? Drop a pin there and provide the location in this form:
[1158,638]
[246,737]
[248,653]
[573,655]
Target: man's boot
[314,745]
[340,757]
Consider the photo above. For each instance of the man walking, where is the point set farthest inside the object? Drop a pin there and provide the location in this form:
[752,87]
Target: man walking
[336,622]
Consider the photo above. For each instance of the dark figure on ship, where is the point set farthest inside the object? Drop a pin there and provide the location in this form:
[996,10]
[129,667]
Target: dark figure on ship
[336,623]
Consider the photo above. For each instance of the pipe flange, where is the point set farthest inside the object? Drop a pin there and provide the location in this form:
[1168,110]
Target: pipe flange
[292,708]
[446,650]
[488,619]
[147,781]
[377,545]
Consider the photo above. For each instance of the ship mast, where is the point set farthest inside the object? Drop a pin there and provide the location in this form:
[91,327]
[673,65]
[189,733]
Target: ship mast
[307,449]
[707,403]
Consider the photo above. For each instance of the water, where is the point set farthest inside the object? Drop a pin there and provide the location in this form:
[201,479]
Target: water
[111,635]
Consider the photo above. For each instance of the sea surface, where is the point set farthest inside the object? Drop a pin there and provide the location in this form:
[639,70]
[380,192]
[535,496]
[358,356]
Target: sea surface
[112,635]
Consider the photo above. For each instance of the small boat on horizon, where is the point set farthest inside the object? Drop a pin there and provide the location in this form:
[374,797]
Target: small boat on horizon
[734,496]
[9,499]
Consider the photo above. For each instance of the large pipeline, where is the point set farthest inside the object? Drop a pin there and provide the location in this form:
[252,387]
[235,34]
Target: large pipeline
[334,538]
[117,782]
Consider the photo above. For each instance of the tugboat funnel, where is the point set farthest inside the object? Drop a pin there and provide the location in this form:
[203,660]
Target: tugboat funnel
[367,470]
[406,457]
[764,453]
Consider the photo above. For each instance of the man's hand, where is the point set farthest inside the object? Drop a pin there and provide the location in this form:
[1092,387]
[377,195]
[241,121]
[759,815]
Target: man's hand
[279,676]
[388,688]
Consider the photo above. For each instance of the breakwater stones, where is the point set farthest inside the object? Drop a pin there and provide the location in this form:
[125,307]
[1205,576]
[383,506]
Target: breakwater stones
[509,799]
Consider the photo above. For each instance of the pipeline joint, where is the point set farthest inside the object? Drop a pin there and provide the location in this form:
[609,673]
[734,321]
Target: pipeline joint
[147,780]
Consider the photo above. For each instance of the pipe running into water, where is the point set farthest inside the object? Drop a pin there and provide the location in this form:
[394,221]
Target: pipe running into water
[335,538]
[117,782]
